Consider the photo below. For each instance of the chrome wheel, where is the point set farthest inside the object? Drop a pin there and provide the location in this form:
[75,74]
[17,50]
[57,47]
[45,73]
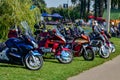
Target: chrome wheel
[89,54]
[65,57]
[104,51]
[33,62]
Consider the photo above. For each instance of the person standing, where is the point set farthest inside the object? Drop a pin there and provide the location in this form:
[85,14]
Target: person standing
[118,29]
[112,30]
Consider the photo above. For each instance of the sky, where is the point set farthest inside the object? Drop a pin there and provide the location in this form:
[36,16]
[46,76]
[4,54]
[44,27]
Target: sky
[56,3]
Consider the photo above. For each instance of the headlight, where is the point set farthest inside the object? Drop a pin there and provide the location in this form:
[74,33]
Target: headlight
[34,44]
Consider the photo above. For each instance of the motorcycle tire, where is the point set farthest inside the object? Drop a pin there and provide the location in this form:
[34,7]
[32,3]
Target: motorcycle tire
[89,55]
[65,57]
[32,64]
[104,52]
[113,49]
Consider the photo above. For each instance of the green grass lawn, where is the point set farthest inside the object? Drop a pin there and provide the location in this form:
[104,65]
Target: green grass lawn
[52,69]
[115,14]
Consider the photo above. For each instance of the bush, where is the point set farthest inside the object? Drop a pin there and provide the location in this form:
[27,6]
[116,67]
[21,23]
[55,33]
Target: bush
[12,12]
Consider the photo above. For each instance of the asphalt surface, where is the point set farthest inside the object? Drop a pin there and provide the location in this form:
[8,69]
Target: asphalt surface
[108,71]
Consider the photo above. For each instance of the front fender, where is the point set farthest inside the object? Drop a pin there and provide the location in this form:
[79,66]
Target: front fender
[35,52]
[88,47]
[85,47]
[66,49]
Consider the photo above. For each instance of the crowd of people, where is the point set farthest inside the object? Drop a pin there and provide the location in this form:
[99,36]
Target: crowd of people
[114,29]
[74,27]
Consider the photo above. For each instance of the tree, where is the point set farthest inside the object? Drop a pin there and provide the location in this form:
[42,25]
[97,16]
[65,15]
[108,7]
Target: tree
[74,1]
[40,4]
[118,4]
[100,5]
[88,6]
[95,8]
[82,5]
[84,8]
[105,1]
[114,3]
[98,8]
[12,12]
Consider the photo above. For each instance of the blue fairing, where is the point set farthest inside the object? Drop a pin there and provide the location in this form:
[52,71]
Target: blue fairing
[25,46]
[35,52]
[12,41]
[28,47]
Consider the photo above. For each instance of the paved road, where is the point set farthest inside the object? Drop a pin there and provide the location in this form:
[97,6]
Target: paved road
[108,71]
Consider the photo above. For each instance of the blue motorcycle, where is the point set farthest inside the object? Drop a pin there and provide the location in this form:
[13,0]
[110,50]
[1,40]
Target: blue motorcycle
[22,50]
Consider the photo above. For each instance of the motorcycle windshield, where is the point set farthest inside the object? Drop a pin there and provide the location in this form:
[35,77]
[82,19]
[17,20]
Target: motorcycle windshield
[58,33]
[27,30]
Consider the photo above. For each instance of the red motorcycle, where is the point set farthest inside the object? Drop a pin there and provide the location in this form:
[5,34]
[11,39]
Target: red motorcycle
[80,46]
[53,42]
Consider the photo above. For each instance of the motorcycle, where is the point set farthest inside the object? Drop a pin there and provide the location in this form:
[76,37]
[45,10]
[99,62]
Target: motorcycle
[53,41]
[100,47]
[22,51]
[101,43]
[107,36]
[80,46]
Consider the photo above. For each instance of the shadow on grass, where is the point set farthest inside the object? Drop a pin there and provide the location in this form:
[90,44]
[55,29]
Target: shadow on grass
[82,59]
[51,60]
[11,65]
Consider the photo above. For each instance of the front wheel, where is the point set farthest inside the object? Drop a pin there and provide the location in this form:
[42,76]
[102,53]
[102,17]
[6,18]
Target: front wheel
[112,47]
[104,52]
[88,54]
[65,57]
[33,62]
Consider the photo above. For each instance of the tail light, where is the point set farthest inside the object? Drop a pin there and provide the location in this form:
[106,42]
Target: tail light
[102,32]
